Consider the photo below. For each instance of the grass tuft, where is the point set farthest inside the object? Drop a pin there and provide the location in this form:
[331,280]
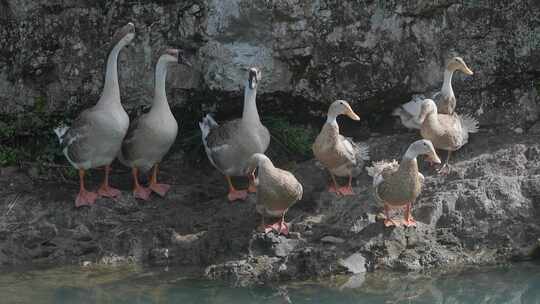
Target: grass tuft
[296,140]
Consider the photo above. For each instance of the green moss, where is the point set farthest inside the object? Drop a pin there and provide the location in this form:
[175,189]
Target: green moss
[6,131]
[40,104]
[295,139]
[9,156]
[28,136]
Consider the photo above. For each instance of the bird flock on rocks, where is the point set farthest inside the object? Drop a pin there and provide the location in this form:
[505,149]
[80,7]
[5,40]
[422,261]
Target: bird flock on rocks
[103,133]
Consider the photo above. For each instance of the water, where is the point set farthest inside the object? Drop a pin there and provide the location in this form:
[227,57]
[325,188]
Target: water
[518,283]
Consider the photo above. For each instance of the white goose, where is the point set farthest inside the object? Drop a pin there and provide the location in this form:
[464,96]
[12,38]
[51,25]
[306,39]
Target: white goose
[96,135]
[151,136]
[230,145]
[445,99]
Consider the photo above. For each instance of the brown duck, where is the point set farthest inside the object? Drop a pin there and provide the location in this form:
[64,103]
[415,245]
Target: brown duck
[446,131]
[340,155]
[277,191]
[398,185]
[445,99]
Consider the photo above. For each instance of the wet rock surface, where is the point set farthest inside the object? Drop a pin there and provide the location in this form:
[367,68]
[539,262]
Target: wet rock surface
[484,212]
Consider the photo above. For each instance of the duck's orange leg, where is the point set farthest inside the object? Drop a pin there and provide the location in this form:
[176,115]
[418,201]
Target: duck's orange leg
[348,189]
[105,189]
[85,197]
[283,226]
[280,226]
[409,221]
[160,189]
[252,187]
[138,190]
[263,227]
[388,221]
[334,187]
[445,168]
[233,193]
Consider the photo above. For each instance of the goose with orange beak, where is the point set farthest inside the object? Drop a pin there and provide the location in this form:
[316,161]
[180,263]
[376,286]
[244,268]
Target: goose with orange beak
[340,155]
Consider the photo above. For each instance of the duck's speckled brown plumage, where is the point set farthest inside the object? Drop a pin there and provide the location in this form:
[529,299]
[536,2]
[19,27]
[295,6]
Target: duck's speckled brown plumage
[402,185]
[277,190]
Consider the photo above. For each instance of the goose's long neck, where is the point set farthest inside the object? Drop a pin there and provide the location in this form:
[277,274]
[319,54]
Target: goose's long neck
[111,89]
[250,105]
[447,83]
[160,95]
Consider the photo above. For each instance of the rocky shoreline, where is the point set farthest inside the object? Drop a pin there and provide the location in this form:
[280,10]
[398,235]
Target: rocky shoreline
[485,212]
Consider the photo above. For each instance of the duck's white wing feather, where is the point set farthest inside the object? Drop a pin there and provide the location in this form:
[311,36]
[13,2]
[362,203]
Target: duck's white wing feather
[378,170]
[409,113]
[357,153]
[469,124]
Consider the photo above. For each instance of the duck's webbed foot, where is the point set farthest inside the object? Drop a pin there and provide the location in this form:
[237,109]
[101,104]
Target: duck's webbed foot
[108,191]
[333,189]
[346,191]
[280,226]
[85,198]
[235,195]
[160,189]
[388,221]
[391,223]
[141,193]
[410,222]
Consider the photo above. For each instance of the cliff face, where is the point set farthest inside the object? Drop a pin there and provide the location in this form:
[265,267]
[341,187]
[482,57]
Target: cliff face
[373,53]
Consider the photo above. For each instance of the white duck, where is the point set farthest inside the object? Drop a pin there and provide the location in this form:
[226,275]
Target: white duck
[95,137]
[230,145]
[445,99]
[151,136]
